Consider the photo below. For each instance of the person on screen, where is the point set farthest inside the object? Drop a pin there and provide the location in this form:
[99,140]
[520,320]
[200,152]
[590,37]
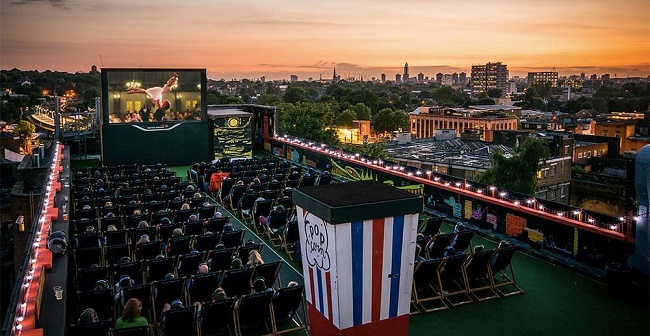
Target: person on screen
[156,93]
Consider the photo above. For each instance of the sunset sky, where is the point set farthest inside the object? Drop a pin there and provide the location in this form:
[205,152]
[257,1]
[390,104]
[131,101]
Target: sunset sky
[253,38]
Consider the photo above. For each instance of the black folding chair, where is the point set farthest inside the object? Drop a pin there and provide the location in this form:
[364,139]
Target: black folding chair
[189,263]
[276,226]
[252,310]
[179,322]
[86,277]
[290,238]
[501,263]
[193,228]
[233,238]
[156,269]
[115,237]
[216,318]
[237,282]
[270,271]
[168,290]
[220,260]
[216,224]
[202,286]
[476,273]
[132,269]
[244,251]
[285,306]
[113,253]
[427,295]
[436,246]
[451,278]
[148,250]
[463,240]
[102,300]
[99,328]
[178,245]
[86,257]
[86,240]
[432,226]
[144,292]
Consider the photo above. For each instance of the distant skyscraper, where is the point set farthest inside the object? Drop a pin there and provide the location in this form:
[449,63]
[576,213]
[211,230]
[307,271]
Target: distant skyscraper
[263,79]
[489,76]
[406,76]
[398,78]
[543,77]
[462,79]
[439,78]
[454,78]
[420,77]
[294,78]
[383,78]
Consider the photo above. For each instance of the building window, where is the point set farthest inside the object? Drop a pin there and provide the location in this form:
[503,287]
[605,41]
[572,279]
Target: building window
[553,169]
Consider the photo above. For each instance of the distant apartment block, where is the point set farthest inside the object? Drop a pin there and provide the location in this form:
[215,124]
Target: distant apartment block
[543,77]
[425,121]
[489,76]
[294,78]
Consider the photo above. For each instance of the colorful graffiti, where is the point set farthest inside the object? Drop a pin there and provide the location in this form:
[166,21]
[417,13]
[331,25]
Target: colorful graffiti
[351,174]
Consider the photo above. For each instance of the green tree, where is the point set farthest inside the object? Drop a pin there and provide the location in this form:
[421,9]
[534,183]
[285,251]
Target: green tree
[346,118]
[518,173]
[294,95]
[494,93]
[389,120]
[311,121]
[24,130]
[268,99]
[9,112]
[363,112]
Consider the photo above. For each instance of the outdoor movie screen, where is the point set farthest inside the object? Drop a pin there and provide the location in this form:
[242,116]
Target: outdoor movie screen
[154,96]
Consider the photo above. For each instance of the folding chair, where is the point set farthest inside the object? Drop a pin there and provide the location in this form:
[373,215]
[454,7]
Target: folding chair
[156,269]
[115,237]
[113,253]
[86,277]
[206,241]
[220,260]
[437,244]
[102,300]
[276,225]
[165,231]
[237,282]
[270,271]
[215,225]
[193,228]
[168,290]
[290,238]
[233,238]
[86,257]
[463,240]
[261,209]
[144,292]
[197,202]
[86,240]
[189,263]
[181,216]
[501,263]
[179,322]
[207,212]
[226,185]
[246,249]
[476,273]
[116,221]
[132,269]
[246,206]
[81,224]
[202,286]
[285,307]
[135,234]
[132,221]
[156,217]
[235,194]
[99,328]
[252,310]
[216,317]
[149,250]
[432,226]
[132,331]
[178,245]
[308,181]
[427,286]
[451,278]
[155,206]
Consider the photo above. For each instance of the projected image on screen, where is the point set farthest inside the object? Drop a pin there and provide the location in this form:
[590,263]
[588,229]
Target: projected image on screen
[154,96]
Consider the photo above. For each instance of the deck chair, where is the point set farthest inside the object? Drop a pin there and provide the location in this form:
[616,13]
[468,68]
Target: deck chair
[132,221]
[132,269]
[207,212]
[197,202]
[276,226]
[202,286]
[86,240]
[215,225]
[181,216]
[463,240]
[81,224]
[149,250]
[270,271]
[246,206]
[451,278]
[88,256]
[135,234]
[168,290]
[437,244]
[262,208]
[236,193]
[206,241]
[156,217]
[102,300]
[252,310]
[193,228]
[220,260]
[476,273]
[86,277]
[290,238]
[104,222]
[237,282]
[99,328]
[226,185]
[132,331]
[179,322]
[144,292]
[501,263]
[432,226]
[233,238]
[155,206]
[115,237]
[113,253]
[178,245]
[156,268]
[428,295]
[246,249]
[216,317]
[188,263]
[285,310]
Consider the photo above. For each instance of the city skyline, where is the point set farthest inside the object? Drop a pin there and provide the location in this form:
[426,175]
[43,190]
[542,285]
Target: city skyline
[251,39]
